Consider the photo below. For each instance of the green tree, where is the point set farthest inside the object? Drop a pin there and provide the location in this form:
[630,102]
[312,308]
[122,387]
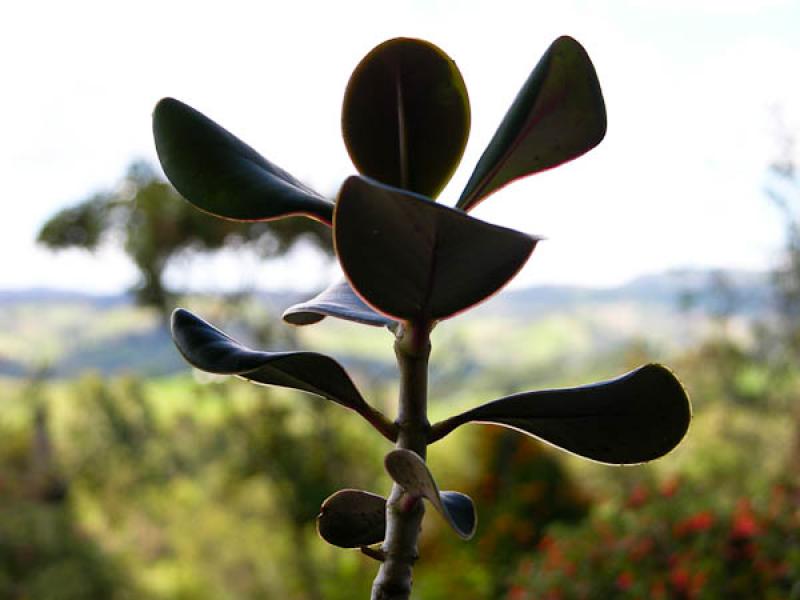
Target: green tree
[148,218]
[45,551]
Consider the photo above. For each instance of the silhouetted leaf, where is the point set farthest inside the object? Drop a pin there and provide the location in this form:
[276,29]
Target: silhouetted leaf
[413,259]
[632,419]
[461,511]
[411,473]
[220,174]
[352,519]
[209,349]
[558,115]
[338,300]
[405,117]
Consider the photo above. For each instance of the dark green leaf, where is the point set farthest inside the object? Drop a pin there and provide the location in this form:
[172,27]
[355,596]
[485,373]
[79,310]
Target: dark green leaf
[411,259]
[405,117]
[635,418]
[558,115]
[352,519]
[411,473]
[222,175]
[338,300]
[209,349]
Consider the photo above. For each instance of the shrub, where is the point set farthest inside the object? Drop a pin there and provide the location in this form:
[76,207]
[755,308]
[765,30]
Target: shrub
[671,542]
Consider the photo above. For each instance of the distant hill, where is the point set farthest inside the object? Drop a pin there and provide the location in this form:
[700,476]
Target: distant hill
[747,291]
[70,332]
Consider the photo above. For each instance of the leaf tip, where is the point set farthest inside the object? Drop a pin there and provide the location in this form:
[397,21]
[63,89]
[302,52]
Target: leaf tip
[460,513]
[180,317]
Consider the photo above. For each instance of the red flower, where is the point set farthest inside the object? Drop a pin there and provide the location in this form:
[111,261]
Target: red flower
[658,590]
[638,496]
[625,580]
[701,521]
[546,543]
[744,523]
[698,581]
[680,578]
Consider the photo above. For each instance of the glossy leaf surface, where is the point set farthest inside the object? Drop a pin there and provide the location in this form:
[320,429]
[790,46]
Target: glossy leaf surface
[338,300]
[405,117]
[220,174]
[411,473]
[635,418]
[209,349]
[411,258]
[558,115]
[352,519]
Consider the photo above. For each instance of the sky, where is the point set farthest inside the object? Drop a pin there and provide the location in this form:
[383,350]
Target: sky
[691,87]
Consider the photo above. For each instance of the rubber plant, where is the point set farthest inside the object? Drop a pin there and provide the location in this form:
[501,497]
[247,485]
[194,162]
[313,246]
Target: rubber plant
[410,263]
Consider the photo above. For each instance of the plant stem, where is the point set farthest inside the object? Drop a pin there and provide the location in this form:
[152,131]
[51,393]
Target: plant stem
[403,523]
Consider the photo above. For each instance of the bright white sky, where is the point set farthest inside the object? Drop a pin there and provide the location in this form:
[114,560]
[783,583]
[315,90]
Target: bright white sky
[678,181]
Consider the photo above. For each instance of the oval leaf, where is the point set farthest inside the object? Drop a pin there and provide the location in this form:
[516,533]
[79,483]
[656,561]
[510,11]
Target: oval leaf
[411,473]
[411,259]
[209,349]
[352,519]
[220,174]
[405,117]
[635,418]
[338,300]
[558,115]
[461,511]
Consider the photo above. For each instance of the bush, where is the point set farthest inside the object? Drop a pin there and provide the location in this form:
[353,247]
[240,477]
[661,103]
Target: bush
[672,543]
[522,488]
[44,553]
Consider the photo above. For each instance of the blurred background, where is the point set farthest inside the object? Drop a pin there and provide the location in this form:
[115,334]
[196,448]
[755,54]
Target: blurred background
[123,474]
